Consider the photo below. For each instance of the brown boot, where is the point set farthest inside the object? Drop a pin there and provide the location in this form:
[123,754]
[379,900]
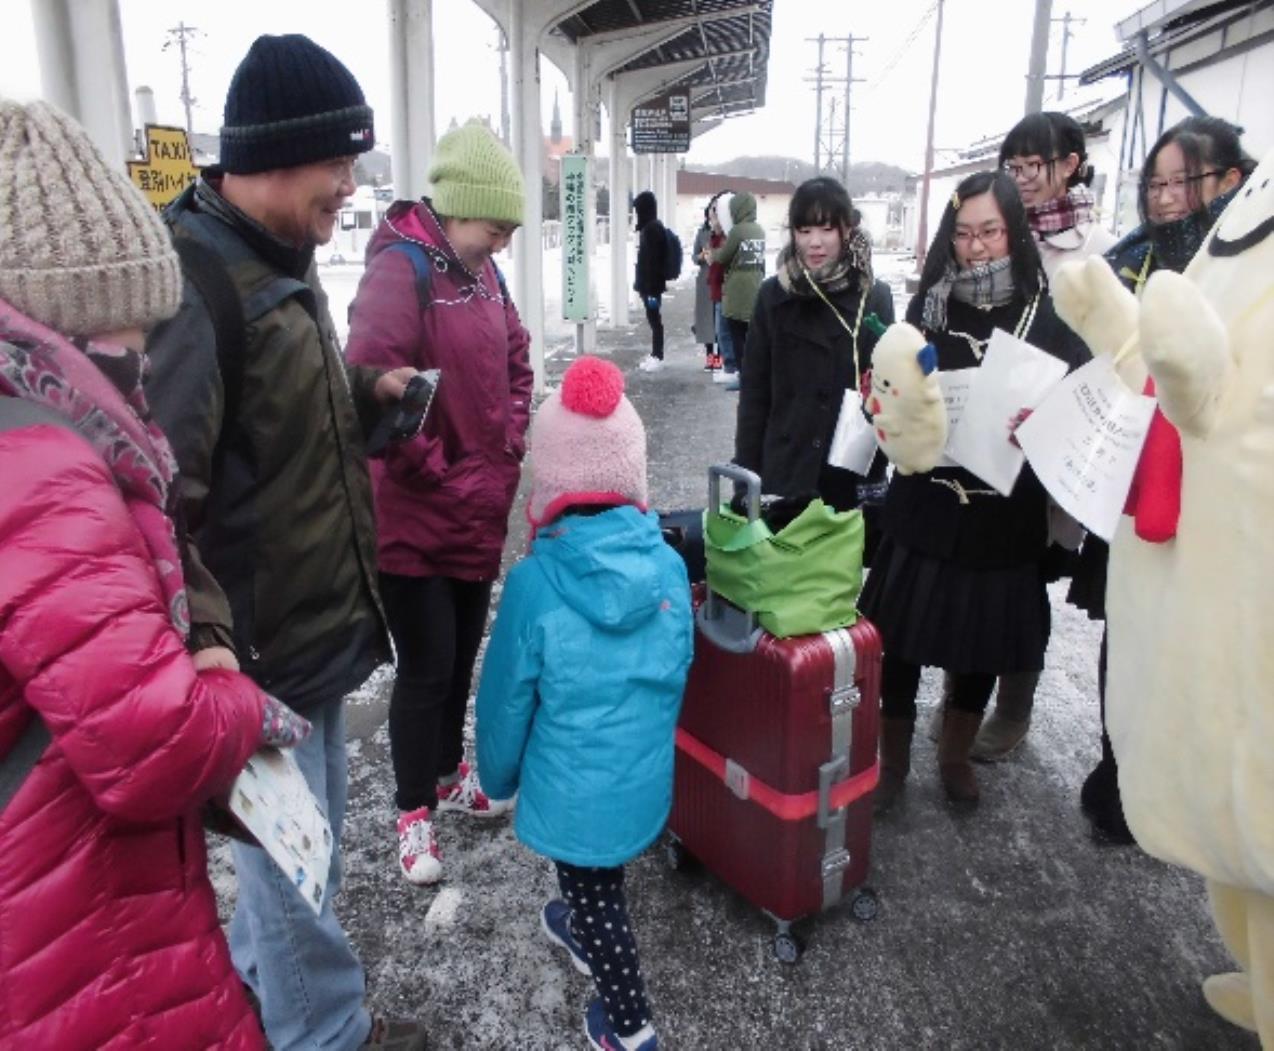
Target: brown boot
[895,760]
[959,728]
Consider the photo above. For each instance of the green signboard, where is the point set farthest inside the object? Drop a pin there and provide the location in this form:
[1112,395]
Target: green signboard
[575,261]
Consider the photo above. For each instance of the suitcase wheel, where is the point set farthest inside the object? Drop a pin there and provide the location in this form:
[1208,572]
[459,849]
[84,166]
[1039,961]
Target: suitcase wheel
[865,905]
[787,947]
[679,858]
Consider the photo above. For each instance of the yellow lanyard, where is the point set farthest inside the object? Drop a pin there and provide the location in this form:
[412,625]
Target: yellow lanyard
[858,321]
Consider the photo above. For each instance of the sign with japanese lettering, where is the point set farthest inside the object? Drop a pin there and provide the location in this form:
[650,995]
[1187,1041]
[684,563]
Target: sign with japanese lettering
[662,124]
[168,167]
[575,261]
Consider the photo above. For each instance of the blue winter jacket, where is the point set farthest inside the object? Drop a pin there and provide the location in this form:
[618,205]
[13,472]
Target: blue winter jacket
[581,686]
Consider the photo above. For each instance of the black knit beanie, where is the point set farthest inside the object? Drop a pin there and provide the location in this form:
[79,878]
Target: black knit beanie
[291,102]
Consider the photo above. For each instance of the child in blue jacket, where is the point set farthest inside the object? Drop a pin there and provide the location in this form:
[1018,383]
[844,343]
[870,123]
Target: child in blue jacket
[582,682]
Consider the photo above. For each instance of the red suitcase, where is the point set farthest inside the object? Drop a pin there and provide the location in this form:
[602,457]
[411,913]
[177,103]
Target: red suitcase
[776,764]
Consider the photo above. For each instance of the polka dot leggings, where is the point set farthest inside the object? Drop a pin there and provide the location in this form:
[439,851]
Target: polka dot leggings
[599,921]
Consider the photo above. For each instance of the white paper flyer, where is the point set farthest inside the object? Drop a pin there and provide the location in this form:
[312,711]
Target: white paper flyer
[854,442]
[272,801]
[1013,376]
[955,384]
[1084,441]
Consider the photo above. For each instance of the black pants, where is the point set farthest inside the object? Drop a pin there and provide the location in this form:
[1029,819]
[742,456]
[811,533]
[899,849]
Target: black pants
[599,922]
[739,339]
[656,319]
[437,624]
[900,682]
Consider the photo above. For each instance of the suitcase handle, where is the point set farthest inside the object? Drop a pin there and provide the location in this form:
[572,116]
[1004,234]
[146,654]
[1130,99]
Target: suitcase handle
[736,474]
[726,625]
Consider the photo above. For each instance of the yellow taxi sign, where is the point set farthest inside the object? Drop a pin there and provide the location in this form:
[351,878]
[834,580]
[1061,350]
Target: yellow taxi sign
[168,167]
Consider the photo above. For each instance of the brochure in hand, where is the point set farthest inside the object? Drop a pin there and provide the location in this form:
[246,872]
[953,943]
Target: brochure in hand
[272,801]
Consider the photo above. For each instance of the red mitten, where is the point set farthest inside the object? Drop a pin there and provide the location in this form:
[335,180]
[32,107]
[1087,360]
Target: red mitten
[1155,497]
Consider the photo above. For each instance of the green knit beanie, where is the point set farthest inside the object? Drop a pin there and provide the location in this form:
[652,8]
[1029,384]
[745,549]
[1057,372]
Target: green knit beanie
[475,177]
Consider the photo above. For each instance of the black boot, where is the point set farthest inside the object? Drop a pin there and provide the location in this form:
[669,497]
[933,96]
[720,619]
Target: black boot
[895,761]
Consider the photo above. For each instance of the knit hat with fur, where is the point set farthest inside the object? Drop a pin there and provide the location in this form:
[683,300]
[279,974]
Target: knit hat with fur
[474,177]
[588,445]
[81,250]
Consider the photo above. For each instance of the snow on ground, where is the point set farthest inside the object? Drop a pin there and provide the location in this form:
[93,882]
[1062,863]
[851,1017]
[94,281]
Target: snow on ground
[1008,928]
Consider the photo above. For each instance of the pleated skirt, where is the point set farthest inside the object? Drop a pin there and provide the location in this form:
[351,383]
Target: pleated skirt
[937,613]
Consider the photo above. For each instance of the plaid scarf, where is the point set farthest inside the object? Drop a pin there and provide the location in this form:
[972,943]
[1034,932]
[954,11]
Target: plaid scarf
[834,275]
[98,389]
[984,286]
[1062,213]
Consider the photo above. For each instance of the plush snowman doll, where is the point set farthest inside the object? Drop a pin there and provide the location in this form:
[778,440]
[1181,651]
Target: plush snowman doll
[1190,688]
[905,404]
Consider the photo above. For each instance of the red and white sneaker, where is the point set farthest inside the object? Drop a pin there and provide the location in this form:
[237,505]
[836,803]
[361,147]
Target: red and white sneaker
[463,794]
[418,854]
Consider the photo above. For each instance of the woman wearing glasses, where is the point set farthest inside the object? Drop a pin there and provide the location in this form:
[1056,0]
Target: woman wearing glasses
[1190,175]
[957,582]
[1046,157]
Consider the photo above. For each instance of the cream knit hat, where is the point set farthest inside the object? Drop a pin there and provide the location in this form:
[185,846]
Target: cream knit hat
[81,250]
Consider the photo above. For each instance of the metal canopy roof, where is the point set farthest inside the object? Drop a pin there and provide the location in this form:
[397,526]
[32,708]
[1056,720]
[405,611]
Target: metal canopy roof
[731,36]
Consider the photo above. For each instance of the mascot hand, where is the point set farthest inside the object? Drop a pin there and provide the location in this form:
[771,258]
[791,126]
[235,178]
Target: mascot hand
[1089,298]
[905,402]
[1186,349]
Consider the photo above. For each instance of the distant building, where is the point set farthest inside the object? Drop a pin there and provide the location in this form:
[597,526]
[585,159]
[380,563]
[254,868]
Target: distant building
[773,196]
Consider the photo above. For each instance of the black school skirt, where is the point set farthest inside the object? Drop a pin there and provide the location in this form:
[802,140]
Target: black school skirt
[937,613]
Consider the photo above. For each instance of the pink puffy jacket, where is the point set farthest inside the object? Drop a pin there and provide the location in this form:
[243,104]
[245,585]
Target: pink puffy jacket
[108,925]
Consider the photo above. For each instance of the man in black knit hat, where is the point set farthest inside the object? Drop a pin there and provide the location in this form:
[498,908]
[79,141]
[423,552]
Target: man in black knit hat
[267,423]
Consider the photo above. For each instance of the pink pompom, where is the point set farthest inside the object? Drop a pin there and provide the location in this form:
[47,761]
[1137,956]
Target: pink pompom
[592,387]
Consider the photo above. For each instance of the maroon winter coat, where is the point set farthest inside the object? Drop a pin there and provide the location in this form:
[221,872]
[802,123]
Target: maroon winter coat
[443,498]
[108,926]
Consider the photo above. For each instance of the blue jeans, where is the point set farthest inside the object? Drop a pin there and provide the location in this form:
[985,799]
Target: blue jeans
[301,966]
[725,345]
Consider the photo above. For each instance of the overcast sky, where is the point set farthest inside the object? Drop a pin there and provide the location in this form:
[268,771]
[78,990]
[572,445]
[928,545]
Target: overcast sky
[985,50]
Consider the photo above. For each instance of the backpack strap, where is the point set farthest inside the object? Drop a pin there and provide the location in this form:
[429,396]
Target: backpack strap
[207,272]
[421,264]
[21,758]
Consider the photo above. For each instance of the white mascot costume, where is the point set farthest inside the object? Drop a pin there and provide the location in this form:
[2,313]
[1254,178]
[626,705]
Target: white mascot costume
[1190,688]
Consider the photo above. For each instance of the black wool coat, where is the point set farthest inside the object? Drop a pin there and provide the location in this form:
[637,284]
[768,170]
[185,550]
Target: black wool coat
[924,512]
[798,363]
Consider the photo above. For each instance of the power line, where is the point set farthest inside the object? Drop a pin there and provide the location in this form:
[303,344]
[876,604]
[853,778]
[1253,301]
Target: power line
[898,55]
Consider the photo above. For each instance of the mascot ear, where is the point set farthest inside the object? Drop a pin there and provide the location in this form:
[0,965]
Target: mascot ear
[927,358]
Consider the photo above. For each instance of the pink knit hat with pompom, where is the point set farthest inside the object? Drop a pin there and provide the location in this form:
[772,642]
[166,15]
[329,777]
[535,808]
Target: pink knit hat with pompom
[587,444]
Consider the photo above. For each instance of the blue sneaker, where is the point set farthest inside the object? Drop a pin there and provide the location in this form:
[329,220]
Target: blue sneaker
[601,1034]
[555,918]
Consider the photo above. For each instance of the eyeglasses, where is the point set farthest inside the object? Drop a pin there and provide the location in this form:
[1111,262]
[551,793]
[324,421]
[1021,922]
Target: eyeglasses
[1176,185]
[1027,170]
[988,235]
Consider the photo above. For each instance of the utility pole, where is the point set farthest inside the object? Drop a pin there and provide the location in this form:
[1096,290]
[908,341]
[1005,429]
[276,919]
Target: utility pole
[179,34]
[1066,21]
[1039,56]
[849,86]
[922,239]
[819,70]
[831,136]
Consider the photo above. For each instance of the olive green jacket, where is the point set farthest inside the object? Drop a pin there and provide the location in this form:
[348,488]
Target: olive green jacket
[282,564]
[743,256]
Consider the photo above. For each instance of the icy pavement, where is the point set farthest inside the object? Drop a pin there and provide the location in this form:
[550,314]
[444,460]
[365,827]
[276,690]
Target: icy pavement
[1007,928]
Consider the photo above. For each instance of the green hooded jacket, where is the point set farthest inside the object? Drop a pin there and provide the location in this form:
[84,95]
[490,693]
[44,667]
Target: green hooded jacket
[743,256]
